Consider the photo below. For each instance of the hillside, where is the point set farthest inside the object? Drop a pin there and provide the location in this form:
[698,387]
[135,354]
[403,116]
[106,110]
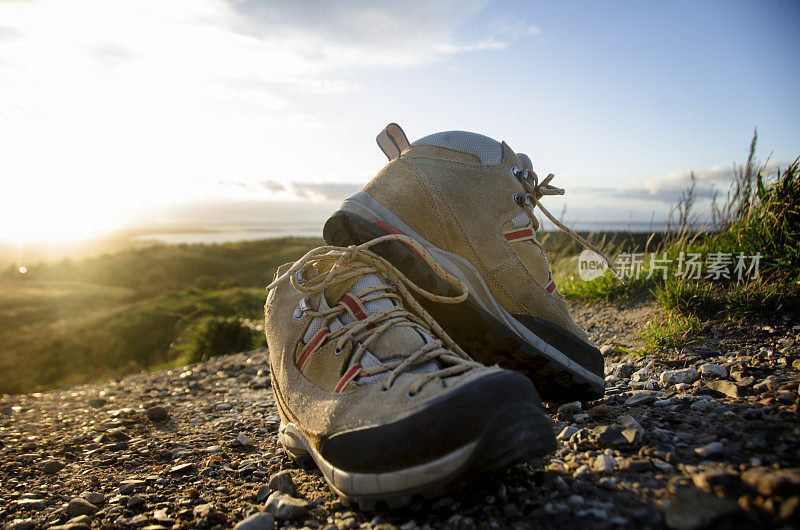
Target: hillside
[80,320]
[71,322]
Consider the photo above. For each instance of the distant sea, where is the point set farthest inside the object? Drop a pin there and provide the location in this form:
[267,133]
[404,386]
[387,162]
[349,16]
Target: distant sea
[227,235]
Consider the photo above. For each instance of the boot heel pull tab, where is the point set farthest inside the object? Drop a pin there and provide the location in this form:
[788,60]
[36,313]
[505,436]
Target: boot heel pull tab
[392,141]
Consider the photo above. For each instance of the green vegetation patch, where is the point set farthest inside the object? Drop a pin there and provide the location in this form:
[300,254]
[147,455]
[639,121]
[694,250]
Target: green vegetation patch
[759,216]
[676,331]
[72,322]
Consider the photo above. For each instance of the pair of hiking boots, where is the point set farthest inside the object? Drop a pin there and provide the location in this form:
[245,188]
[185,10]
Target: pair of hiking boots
[406,356]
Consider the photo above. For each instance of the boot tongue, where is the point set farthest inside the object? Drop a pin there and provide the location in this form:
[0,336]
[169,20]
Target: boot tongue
[392,141]
[488,150]
[395,342]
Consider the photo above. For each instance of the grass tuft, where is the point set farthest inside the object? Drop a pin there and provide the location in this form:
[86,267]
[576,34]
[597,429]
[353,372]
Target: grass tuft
[676,331]
[689,297]
[214,335]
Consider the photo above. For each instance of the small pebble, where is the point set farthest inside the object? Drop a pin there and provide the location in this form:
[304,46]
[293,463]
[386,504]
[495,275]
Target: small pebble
[79,506]
[285,507]
[245,440]
[714,448]
[604,463]
[258,521]
[157,414]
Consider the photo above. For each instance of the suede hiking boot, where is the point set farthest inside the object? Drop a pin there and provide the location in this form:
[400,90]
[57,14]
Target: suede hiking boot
[469,200]
[371,389]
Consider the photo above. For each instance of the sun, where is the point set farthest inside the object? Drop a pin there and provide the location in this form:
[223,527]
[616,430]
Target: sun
[41,225]
[42,212]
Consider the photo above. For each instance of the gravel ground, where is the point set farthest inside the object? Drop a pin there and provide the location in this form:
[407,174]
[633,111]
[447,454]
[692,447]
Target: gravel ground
[706,437]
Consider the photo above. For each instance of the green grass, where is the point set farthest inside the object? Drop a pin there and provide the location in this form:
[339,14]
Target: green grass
[604,288]
[676,331]
[689,297]
[735,301]
[216,335]
[760,215]
[76,321]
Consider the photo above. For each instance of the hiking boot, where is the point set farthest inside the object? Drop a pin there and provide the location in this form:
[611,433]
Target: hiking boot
[468,200]
[371,389]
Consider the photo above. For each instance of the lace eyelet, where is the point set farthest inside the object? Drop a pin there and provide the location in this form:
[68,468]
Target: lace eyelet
[519,198]
[337,351]
[411,395]
[516,171]
[305,305]
[300,310]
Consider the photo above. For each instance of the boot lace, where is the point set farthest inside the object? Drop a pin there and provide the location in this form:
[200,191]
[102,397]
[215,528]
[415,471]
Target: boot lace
[535,190]
[343,264]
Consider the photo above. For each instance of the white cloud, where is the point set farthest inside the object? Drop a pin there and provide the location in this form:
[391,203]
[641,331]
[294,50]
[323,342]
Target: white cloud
[151,101]
[362,34]
[668,188]
[271,185]
[486,44]
[325,190]
[270,189]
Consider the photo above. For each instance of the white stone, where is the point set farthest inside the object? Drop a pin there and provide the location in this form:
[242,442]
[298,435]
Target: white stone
[686,375]
[604,463]
[651,385]
[714,448]
[583,470]
[643,374]
[581,418]
[245,440]
[258,521]
[283,507]
[567,433]
[663,466]
[623,369]
[714,370]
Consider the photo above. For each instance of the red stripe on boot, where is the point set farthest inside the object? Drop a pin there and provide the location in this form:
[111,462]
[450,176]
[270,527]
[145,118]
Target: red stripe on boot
[351,373]
[311,346]
[519,234]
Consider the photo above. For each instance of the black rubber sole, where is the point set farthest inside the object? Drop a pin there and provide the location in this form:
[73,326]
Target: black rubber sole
[516,435]
[483,336]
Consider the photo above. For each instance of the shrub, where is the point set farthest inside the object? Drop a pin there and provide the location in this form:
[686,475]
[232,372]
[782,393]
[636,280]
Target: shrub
[205,283]
[211,336]
[229,283]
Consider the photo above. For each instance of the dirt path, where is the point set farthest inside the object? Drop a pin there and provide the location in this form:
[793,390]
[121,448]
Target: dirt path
[705,437]
[615,324]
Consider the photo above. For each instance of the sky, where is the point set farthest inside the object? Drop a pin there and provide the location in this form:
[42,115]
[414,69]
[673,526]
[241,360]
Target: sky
[118,113]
